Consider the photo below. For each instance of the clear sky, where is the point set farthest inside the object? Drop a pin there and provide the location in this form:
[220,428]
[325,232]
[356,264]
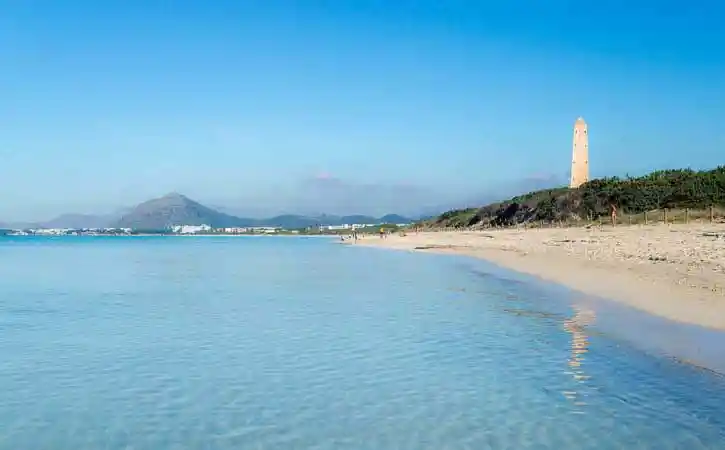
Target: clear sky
[282,105]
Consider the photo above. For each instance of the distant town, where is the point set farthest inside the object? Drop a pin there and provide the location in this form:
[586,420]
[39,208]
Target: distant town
[203,230]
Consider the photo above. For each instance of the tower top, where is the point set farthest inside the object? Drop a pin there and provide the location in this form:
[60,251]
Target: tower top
[580,120]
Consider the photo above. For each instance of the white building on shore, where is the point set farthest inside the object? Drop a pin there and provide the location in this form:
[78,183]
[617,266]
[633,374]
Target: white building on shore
[190,229]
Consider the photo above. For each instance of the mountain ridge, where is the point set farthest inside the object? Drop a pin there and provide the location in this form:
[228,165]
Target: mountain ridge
[177,209]
[174,209]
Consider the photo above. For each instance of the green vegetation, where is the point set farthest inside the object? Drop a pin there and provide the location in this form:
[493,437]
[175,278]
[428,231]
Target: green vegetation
[671,189]
[456,218]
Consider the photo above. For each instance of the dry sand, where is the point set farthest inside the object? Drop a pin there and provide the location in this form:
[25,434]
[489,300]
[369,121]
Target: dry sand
[674,271]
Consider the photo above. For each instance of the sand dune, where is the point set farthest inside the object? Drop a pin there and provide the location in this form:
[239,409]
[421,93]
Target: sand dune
[675,271]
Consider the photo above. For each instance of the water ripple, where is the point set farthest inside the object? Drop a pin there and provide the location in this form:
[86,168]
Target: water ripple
[182,343]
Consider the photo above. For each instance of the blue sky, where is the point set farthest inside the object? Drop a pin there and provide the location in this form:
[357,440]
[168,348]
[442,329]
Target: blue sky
[270,105]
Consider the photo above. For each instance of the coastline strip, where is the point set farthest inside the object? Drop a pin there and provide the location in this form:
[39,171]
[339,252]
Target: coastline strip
[676,272]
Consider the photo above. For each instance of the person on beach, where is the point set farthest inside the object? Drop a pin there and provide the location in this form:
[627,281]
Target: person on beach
[382,232]
[614,215]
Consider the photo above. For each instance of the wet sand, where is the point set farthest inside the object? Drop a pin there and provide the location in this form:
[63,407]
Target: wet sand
[673,271]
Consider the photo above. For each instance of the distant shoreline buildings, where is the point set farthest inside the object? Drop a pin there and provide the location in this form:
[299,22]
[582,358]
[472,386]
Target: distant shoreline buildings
[580,155]
[187,230]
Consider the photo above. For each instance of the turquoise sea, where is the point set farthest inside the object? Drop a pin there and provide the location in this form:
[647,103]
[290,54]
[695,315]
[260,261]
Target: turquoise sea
[301,343]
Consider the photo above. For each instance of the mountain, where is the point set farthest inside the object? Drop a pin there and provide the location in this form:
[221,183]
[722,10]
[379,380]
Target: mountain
[78,221]
[394,218]
[355,218]
[176,209]
[289,221]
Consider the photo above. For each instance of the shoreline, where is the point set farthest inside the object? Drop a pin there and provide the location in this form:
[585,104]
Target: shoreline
[171,235]
[676,272]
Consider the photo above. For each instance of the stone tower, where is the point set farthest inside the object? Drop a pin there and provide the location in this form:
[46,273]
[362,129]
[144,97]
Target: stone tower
[580,155]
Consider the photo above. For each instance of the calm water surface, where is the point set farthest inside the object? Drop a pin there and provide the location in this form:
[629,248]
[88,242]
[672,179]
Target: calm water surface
[293,343]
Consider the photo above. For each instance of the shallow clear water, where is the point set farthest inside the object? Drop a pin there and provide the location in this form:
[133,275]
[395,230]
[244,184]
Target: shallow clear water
[247,343]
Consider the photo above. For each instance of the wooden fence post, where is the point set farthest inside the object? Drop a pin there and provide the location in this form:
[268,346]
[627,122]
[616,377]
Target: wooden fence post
[687,215]
[645,217]
[712,214]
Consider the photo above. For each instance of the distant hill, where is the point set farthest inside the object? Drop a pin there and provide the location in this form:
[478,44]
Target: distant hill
[288,221]
[176,209]
[394,218]
[683,188]
[71,220]
[355,218]
[78,221]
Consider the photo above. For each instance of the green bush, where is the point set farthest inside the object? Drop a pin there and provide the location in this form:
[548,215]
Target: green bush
[682,188]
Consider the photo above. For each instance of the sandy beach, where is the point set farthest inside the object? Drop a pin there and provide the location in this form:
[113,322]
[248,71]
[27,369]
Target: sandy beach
[674,271]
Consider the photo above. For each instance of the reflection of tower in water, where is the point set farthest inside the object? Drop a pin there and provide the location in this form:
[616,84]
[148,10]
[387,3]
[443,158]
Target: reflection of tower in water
[579,347]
